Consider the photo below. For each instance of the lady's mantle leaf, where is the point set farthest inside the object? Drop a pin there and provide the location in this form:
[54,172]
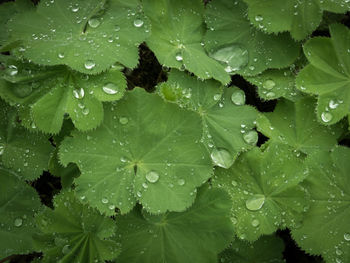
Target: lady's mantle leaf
[18,203]
[26,153]
[177,33]
[298,17]
[51,92]
[226,122]
[264,187]
[145,149]
[196,235]
[86,35]
[240,47]
[328,74]
[326,227]
[266,249]
[295,124]
[73,233]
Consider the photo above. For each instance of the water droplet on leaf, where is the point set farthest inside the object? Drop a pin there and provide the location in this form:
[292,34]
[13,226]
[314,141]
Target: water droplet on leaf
[181,182]
[179,57]
[89,64]
[11,70]
[347,236]
[78,93]
[269,84]
[251,137]
[18,222]
[152,176]
[221,157]
[326,116]
[234,57]
[138,23]
[110,88]
[238,97]
[94,22]
[255,202]
[123,120]
[255,223]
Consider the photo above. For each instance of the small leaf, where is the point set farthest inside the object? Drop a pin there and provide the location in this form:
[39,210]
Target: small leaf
[74,232]
[196,235]
[18,203]
[232,36]
[141,134]
[86,35]
[296,124]
[328,74]
[177,33]
[326,228]
[265,191]
[20,150]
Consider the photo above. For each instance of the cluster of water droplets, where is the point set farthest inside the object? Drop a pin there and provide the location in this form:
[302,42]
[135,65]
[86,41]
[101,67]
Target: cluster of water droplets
[327,115]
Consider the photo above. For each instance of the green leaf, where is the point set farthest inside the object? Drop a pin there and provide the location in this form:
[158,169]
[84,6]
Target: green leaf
[227,124]
[18,202]
[265,192]
[146,150]
[86,35]
[276,83]
[177,33]
[328,74]
[241,47]
[295,124]
[266,249]
[196,235]
[47,93]
[74,232]
[326,227]
[22,151]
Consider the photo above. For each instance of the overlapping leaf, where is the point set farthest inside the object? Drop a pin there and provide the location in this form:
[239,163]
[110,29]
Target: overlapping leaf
[196,235]
[241,47]
[298,17]
[177,34]
[47,94]
[227,122]
[265,191]
[326,228]
[26,153]
[18,203]
[146,150]
[86,35]
[296,124]
[73,233]
[266,249]
[328,74]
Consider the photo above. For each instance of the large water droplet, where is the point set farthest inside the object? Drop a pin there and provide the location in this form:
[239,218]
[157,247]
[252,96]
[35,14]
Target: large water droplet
[347,236]
[123,120]
[217,96]
[110,88]
[234,57]
[94,22]
[238,97]
[18,222]
[152,176]
[333,105]
[179,57]
[269,84]
[255,202]
[326,116]
[89,64]
[60,55]
[78,93]
[251,137]
[65,249]
[11,70]
[138,23]
[221,157]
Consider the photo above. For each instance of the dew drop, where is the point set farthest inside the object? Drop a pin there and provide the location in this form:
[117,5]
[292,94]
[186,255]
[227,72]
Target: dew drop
[259,18]
[326,116]
[89,64]
[222,158]
[65,249]
[104,200]
[152,176]
[255,223]
[234,57]
[60,55]
[117,28]
[2,149]
[238,97]
[110,88]
[269,84]
[11,70]
[85,111]
[94,22]
[234,183]
[111,207]
[78,93]
[333,105]
[179,57]
[255,202]
[251,137]
[75,8]
[347,236]
[217,96]
[18,222]
[123,120]
[181,182]
[138,23]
